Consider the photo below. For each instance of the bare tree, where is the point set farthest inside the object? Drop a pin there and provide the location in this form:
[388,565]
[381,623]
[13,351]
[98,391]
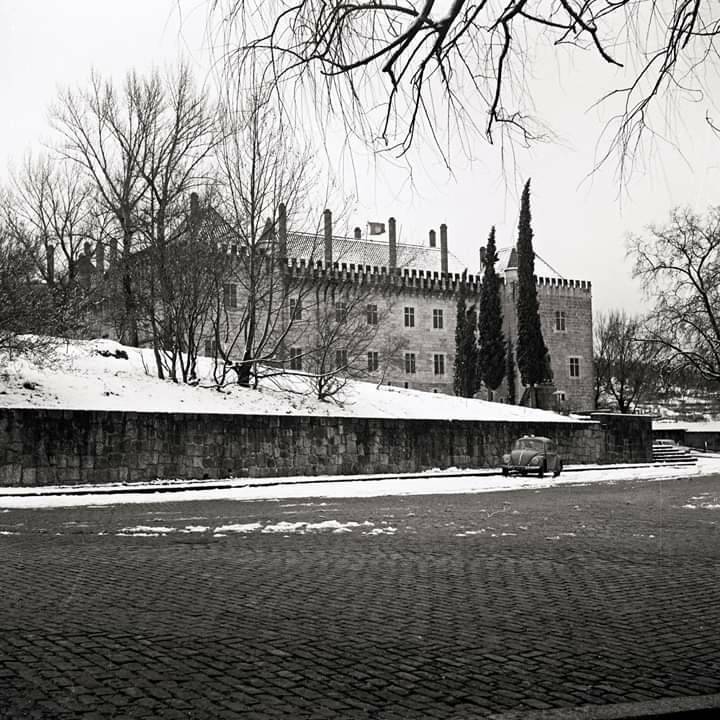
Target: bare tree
[32,313]
[431,65]
[100,130]
[179,287]
[50,209]
[626,364]
[346,322]
[177,271]
[264,186]
[601,358]
[679,266]
[144,149]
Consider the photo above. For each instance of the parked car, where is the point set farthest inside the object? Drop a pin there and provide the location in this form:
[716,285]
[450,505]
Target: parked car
[532,454]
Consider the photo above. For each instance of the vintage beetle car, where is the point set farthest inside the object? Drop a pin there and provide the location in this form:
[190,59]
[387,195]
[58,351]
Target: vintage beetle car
[532,454]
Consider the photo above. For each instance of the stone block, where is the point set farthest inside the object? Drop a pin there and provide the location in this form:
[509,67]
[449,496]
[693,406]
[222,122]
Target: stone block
[10,474]
[29,476]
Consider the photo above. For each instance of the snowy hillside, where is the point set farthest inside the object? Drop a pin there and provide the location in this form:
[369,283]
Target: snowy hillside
[93,375]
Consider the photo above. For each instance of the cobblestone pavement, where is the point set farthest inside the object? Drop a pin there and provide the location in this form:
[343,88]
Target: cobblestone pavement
[449,606]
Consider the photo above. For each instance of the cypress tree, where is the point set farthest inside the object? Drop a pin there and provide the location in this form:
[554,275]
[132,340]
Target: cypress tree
[470,353]
[466,355]
[510,373]
[491,342]
[533,358]
[459,369]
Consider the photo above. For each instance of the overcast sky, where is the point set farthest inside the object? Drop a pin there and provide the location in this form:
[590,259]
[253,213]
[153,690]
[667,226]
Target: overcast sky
[580,223]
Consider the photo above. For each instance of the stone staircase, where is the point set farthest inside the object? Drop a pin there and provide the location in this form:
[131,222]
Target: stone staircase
[668,452]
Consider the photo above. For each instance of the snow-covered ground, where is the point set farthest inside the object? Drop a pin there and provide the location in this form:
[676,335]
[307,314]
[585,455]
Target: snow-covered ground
[708,426]
[94,375]
[439,482]
[78,376]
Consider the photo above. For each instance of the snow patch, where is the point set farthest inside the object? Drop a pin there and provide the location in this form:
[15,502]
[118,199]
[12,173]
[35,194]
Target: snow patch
[243,528]
[140,529]
[382,531]
[89,375]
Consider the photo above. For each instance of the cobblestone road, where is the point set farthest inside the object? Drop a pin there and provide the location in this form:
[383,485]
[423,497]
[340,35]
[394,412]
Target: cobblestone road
[403,607]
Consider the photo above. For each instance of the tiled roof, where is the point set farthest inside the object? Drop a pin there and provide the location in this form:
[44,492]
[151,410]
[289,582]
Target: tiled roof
[375,253]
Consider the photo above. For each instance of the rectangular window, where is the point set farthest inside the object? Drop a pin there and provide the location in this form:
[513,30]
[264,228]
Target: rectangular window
[295,358]
[230,295]
[410,363]
[372,315]
[574,367]
[296,308]
[437,319]
[409,317]
[341,358]
[373,361]
[560,321]
[210,348]
[439,364]
[340,312]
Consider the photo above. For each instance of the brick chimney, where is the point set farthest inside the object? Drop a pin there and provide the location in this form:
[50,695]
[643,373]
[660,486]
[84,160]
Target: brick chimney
[84,266]
[100,259]
[443,249]
[194,214]
[113,251]
[433,241]
[282,230]
[358,233]
[267,234]
[50,265]
[392,249]
[327,220]
[483,256]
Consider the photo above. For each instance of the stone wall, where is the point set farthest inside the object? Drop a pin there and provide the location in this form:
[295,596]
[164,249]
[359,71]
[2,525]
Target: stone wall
[628,438]
[42,447]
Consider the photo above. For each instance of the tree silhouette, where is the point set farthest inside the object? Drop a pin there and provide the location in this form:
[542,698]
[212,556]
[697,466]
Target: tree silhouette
[533,358]
[491,342]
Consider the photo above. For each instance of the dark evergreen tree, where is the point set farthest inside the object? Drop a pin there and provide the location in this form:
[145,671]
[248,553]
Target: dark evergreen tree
[459,369]
[533,358]
[510,372]
[466,354]
[491,342]
[470,353]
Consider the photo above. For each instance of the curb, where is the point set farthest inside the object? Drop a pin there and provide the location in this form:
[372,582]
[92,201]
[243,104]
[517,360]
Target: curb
[191,485]
[697,706]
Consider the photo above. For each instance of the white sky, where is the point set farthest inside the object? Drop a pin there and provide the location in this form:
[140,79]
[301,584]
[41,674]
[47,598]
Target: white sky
[580,225]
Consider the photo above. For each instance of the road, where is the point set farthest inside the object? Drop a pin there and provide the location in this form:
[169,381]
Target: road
[442,606]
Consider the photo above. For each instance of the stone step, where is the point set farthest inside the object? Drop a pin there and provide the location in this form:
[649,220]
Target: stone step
[673,454]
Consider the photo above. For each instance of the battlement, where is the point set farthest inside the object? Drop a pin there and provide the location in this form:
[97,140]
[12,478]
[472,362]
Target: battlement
[417,279]
[560,284]
[410,278]
[383,276]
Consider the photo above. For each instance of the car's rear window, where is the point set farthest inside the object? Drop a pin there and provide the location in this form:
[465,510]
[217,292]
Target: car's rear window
[529,444]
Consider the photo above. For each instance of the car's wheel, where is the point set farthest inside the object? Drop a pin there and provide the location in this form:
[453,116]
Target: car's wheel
[541,471]
[558,469]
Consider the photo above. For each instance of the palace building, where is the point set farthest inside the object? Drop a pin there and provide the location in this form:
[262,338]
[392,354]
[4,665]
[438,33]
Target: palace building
[397,303]
[417,287]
